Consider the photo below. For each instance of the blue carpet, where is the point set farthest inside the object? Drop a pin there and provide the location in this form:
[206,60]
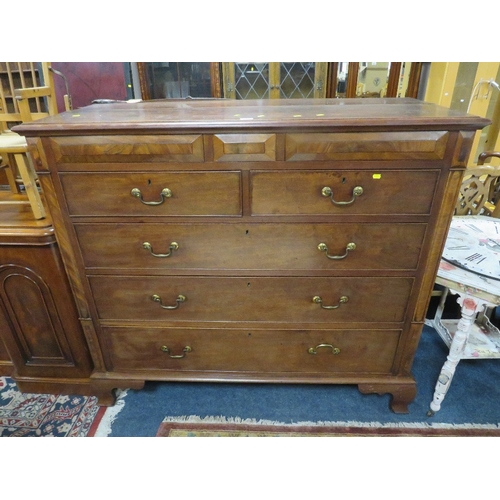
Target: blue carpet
[472,399]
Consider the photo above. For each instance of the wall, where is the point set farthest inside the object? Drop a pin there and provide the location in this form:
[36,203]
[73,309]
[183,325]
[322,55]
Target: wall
[90,80]
[464,87]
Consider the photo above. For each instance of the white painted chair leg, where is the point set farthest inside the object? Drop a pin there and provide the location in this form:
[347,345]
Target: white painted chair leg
[468,312]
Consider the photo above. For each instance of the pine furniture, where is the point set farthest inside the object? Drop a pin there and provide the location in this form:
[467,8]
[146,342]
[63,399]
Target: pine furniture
[27,93]
[253,241]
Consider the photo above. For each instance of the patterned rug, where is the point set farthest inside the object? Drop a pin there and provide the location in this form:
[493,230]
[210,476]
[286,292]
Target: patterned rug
[221,427]
[37,415]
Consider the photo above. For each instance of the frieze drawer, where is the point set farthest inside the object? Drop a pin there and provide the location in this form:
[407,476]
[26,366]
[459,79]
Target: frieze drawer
[128,148]
[244,147]
[412,145]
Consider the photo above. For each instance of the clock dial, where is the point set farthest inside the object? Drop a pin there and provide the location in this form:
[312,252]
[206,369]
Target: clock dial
[473,243]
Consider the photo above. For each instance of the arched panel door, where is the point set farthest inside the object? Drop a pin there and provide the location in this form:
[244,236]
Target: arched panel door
[44,337]
[33,316]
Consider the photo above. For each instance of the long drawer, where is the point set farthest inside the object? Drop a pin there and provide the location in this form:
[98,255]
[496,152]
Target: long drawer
[251,246]
[128,148]
[343,192]
[260,299]
[257,351]
[153,194]
[393,145]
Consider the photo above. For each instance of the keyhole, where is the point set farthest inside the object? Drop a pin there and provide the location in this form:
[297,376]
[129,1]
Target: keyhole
[149,182]
[344,180]
[247,231]
[248,285]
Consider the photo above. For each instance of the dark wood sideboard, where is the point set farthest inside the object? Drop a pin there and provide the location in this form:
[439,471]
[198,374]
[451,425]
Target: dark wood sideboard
[252,241]
[42,345]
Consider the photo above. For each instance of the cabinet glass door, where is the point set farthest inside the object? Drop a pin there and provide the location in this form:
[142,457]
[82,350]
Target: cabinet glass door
[299,80]
[176,80]
[244,80]
[404,79]
[295,80]
[341,79]
[373,79]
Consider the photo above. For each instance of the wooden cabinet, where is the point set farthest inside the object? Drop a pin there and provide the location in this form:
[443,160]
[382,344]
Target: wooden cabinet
[40,334]
[253,241]
[6,366]
[277,80]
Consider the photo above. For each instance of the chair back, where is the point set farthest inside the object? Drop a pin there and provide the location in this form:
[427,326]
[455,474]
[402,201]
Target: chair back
[27,93]
[480,189]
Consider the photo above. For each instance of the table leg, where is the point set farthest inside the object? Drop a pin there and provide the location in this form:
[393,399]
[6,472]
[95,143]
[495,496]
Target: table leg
[469,307]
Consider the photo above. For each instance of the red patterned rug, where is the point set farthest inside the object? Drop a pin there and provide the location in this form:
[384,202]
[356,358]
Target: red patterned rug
[214,427]
[37,415]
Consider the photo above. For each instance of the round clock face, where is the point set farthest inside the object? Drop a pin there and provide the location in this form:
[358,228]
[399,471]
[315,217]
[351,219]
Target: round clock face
[473,243]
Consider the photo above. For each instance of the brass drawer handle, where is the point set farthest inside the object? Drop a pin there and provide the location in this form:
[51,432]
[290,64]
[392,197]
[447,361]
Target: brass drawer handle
[349,248]
[173,246]
[314,350]
[178,300]
[165,193]
[186,349]
[327,192]
[319,300]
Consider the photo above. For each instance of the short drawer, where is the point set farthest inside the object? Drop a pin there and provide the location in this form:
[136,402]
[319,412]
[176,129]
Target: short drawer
[248,246]
[255,351]
[343,192]
[129,148]
[279,299]
[153,194]
[244,147]
[424,145]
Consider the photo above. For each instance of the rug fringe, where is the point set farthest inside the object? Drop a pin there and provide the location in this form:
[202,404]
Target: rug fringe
[104,429]
[252,421]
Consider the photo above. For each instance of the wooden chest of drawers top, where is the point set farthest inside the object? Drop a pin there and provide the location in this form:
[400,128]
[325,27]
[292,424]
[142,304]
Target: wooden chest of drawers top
[232,117]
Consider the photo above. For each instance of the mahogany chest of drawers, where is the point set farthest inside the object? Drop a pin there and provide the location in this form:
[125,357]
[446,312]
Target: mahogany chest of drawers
[253,241]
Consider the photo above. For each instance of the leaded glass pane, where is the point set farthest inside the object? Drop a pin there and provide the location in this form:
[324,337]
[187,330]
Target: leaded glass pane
[297,80]
[251,80]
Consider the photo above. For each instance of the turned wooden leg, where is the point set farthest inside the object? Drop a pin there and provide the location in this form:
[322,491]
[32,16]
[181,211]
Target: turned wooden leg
[468,316]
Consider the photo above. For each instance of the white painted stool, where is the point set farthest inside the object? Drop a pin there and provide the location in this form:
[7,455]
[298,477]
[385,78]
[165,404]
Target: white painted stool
[470,267]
